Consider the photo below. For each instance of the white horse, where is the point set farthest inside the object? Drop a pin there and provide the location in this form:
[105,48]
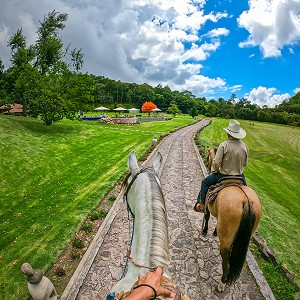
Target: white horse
[149,246]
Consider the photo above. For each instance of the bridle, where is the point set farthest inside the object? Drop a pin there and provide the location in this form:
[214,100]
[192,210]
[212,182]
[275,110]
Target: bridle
[142,170]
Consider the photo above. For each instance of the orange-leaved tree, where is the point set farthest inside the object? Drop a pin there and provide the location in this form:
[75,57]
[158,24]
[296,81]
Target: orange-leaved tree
[148,106]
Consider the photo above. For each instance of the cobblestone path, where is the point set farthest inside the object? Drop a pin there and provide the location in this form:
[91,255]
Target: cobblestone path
[195,260]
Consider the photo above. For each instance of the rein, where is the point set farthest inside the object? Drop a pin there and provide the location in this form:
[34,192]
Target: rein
[141,266]
[128,257]
[143,170]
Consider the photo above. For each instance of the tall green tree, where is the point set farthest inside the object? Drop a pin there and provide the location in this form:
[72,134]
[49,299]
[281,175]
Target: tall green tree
[44,77]
[194,112]
[173,109]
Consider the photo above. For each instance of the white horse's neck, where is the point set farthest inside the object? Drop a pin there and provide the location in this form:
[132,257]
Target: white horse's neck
[150,240]
[140,200]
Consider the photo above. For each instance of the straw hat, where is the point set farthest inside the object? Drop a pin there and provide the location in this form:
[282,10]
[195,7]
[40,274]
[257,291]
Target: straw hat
[234,129]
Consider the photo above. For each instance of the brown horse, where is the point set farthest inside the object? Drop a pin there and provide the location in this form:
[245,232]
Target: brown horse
[211,155]
[238,212]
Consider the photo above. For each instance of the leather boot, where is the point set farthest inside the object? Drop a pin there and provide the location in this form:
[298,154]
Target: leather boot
[199,207]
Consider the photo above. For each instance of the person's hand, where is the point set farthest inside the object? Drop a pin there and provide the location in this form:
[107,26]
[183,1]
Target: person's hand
[149,287]
[154,280]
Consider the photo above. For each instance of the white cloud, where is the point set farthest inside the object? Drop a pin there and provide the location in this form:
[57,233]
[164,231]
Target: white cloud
[235,88]
[218,32]
[4,35]
[266,96]
[199,84]
[133,41]
[296,90]
[292,51]
[200,53]
[272,25]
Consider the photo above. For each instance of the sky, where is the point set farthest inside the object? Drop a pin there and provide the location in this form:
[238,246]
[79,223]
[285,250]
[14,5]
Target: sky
[212,48]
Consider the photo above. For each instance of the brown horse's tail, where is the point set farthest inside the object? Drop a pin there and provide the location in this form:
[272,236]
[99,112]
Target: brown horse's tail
[239,247]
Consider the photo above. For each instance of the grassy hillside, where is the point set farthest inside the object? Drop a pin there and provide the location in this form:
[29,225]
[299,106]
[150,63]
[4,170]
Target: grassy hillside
[273,172]
[51,178]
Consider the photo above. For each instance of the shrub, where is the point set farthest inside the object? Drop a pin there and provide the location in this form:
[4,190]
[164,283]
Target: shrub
[102,213]
[97,214]
[87,227]
[94,215]
[78,242]
[112,197]
[75,255]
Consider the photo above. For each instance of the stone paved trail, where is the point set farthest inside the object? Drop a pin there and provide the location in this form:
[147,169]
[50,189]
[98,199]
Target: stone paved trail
[195,260]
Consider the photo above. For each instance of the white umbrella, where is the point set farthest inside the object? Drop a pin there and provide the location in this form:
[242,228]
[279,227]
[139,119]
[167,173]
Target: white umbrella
[133,110]
[156,109]
[101,108]
[120,108]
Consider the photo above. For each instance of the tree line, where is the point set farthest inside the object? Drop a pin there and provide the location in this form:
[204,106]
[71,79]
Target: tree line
[45,78]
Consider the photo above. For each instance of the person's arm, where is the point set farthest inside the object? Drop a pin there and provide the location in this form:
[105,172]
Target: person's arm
[149,287]
[216,164]
[247,154]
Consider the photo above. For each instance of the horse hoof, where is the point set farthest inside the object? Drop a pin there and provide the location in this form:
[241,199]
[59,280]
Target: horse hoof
[221,287]
[204,232]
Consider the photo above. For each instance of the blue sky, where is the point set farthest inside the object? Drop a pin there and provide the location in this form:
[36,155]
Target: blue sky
[211,48]
[247,66]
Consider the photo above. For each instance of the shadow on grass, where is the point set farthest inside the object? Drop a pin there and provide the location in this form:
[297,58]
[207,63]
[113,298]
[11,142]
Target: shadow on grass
[37,126]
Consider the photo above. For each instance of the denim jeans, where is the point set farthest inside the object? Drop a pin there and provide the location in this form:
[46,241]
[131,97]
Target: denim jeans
[211,180]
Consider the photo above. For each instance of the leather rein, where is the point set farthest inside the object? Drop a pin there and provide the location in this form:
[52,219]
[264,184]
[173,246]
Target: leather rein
[142,170]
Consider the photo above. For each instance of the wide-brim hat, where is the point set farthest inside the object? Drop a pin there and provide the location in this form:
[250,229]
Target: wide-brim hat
[235,130]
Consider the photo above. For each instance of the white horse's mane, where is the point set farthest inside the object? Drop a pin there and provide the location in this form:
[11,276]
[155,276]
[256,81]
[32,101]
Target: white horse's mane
[159,251]
[150,241]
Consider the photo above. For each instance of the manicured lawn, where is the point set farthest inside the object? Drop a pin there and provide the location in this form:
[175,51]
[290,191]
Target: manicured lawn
[51,179]
[273,172]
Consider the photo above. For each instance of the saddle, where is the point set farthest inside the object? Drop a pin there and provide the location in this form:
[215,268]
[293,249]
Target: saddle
[220,185]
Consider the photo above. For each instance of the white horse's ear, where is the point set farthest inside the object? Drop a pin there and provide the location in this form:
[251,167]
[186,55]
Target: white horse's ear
[132,163]
[157,161]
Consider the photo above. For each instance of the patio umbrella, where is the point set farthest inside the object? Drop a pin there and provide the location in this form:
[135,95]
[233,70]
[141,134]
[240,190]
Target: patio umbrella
[156,109]
[101,108]
[133,110]
[119,109]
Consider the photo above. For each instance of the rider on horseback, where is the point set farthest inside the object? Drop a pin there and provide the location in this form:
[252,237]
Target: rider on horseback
[230,160]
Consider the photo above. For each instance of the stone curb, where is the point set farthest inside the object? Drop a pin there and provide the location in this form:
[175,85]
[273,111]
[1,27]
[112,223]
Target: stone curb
[253,266]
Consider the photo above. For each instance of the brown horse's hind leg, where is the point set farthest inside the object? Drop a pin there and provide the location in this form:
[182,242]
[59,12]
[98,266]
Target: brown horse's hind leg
[225,267]
[205,221]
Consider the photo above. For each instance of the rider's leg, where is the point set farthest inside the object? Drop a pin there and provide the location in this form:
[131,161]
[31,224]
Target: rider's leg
[244,179]
[206,183]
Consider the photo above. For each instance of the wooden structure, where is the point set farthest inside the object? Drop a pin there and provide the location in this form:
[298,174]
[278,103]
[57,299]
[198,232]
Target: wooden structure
[15,109]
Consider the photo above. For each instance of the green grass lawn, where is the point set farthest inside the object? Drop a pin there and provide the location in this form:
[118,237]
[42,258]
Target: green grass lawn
[273,172]
[51,178]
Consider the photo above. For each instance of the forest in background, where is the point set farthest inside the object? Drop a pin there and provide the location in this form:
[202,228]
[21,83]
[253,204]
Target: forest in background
[111,93]
[45,78]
